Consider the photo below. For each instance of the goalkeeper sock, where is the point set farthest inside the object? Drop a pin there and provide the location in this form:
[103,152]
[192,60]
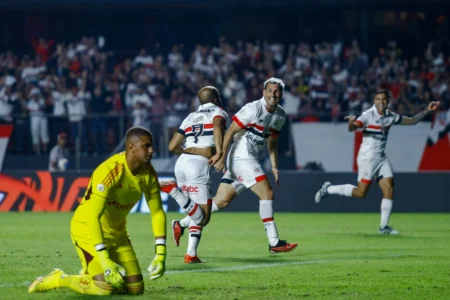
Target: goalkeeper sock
[195,234]
[343,190]
[187,220]
[135,288]
[84,284]
[189,206]
[266,214]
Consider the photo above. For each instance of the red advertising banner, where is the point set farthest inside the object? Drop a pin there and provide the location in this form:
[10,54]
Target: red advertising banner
[42,191]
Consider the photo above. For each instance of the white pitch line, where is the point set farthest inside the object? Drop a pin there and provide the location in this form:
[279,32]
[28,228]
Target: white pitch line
[239,268]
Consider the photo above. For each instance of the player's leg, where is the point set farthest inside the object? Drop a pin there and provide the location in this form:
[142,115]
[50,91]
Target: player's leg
[253,177]
[264,191]
[83,283]
[227,191]
[125,256]
[190,207]
[195,234]
[365,174]
[386,183]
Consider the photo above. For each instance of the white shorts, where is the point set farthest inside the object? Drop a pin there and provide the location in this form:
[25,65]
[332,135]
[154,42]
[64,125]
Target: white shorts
[243,173]
[192,175]
[377,168]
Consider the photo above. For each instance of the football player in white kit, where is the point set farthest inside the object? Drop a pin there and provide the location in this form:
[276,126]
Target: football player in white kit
[202,132]
[372,161]
[252,125]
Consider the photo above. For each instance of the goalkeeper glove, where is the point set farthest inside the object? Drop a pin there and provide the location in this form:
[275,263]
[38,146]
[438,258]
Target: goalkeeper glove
[157,267]
[113,272]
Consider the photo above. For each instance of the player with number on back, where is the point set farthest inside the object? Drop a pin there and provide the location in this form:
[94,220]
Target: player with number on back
[202,131]
[372,161]
[252,125]
[98,227]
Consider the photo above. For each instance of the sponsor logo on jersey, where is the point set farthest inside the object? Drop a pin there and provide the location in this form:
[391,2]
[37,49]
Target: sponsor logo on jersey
[121,206]
[189,189]
[205,111]
[85,283]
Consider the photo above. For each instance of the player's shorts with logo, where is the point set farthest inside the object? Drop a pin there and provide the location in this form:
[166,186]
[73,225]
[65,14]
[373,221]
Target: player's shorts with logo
[374,168]
[193,176]
[120,250]
[243,173]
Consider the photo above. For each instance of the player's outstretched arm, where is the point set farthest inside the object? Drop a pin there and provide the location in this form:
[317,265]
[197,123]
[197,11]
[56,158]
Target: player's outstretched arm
[353,123]
[175,144]
[153,196]
[234,128]
[432,106]
[219,129]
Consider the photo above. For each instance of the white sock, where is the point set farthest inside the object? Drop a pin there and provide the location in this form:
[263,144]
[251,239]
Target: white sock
[195,234]
[343,190]
[386,207]
[266,214]
[187,220]
[214,207]
[190,207]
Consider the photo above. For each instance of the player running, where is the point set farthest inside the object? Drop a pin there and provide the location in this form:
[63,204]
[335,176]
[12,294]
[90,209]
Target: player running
[252,125]
[98,227]
[372,161]
[203,132]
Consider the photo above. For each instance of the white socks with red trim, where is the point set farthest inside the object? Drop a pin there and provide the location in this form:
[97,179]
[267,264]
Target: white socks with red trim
[266,214]
[195,234]
[386,207]
[190,207]
[187,220]
[343,190]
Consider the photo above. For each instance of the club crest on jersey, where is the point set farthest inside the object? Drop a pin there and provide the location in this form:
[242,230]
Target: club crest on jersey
[100,187]
[256,169]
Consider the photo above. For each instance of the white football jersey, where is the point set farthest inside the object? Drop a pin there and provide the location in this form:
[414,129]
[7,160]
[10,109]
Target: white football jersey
[375,131]
[198,127]
[259,124]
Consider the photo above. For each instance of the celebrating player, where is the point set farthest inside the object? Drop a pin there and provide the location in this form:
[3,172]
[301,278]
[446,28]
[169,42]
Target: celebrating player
[256,121]
[98,227]
[372,160]
[203,131]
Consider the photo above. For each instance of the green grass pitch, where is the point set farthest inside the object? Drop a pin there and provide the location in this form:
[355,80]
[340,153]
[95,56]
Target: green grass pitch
[340,256]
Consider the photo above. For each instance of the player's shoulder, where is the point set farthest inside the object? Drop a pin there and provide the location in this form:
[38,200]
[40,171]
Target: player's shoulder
[280,111]
[111,169]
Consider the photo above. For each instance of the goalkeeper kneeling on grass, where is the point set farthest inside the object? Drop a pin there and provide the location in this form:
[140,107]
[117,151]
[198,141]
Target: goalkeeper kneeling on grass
[98,227]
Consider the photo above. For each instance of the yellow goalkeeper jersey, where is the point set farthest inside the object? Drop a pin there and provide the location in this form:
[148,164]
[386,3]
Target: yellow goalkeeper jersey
[112,192]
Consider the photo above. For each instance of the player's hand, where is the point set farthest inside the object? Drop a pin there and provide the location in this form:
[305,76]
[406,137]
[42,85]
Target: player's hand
[275,174]
[213,160]
[157,267]
[220,165]
[350,119]
[113,272]
[433,105]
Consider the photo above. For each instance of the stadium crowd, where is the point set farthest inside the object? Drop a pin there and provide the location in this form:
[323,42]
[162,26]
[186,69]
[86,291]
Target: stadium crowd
[82,88]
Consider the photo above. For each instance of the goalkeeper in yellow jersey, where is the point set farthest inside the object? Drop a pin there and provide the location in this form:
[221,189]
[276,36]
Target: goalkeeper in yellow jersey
[98,227]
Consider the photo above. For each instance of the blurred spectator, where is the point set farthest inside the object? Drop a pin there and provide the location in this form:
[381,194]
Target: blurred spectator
[38,121]
[58,153]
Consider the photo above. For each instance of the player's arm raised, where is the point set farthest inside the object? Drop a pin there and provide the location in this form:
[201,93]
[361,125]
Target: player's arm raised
[219,129]
[228,138]
[432,106]
[113,272]
[153,196]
